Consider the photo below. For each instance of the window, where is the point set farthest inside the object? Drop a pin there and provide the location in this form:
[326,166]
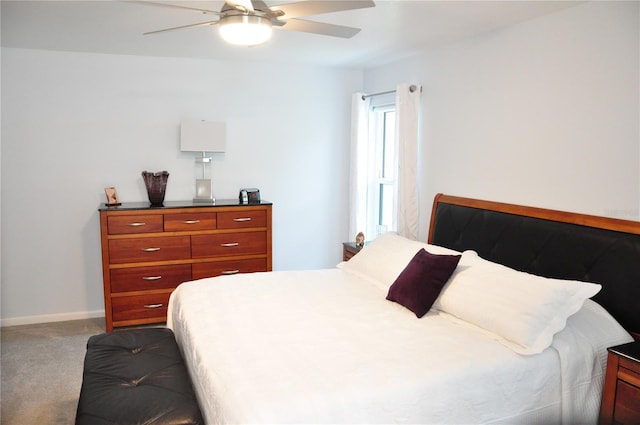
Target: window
[383,196]
[381,188]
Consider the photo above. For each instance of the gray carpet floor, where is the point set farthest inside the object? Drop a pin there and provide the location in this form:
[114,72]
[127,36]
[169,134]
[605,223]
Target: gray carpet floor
[41,368]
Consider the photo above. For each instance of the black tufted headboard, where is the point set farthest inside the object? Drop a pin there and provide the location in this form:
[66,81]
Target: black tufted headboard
[549,243]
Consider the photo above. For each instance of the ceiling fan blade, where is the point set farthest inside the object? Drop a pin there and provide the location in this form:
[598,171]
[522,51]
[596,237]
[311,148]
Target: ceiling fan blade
[244,5]
[318,28]
[271,14]
[175,6]
[201,24]
[261,6]
[317,7]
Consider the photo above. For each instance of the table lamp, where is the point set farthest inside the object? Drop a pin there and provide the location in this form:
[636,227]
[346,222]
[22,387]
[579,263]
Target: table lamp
[204,137]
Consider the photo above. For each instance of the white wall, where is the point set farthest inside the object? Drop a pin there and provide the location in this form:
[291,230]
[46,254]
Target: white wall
[76,123]
[544,113]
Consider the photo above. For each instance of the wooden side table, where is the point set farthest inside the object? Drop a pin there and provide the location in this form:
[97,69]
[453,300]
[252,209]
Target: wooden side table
[349,249]
[621,394]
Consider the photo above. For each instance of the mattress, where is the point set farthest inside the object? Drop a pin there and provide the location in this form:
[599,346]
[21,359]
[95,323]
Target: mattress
[325,346]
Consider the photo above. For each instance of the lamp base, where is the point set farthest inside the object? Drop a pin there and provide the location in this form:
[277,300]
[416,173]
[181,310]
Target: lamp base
[204,201]
[203,191]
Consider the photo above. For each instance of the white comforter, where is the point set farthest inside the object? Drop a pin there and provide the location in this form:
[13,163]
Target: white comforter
[326,347]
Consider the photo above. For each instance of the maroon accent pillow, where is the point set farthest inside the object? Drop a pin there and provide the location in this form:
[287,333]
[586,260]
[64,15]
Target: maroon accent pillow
[421,281]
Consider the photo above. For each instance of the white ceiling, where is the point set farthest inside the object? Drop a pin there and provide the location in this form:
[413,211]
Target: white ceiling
[391,30]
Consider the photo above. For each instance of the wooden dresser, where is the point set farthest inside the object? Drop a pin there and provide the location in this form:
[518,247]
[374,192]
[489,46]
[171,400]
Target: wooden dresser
[148,251]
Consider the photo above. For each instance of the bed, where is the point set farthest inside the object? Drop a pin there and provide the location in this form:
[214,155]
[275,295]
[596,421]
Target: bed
[503,316]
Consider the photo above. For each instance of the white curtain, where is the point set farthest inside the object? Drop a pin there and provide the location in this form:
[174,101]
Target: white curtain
[407,128]
[358,164]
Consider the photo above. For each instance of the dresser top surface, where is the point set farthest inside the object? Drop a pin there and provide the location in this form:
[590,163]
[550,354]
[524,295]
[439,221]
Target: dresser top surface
[179,204]
[629,350]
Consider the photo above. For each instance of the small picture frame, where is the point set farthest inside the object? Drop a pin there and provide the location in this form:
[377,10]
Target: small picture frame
[112,197]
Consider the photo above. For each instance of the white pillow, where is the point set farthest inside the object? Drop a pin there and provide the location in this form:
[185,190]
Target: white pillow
[384,258]
[524,310]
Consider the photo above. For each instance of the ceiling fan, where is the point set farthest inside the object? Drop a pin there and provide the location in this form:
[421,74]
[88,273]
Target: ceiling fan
[250,22]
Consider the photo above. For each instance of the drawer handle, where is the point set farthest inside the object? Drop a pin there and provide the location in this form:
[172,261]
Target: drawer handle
[230,271]
[151,306]
[230,244]
[137,224]
[191,221]
[151,277]
[242,219]
[150,249]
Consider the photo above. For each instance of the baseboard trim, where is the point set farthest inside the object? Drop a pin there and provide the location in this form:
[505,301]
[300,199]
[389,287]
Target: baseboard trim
[47,318]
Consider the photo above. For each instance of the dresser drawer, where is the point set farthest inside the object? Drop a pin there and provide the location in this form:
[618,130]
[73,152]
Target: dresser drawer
[629,371]
[627,408]
[123,224]
[144,278]
[242,219]
[227,244]
[217,268]
[149,249]
[140,307]
[189,222]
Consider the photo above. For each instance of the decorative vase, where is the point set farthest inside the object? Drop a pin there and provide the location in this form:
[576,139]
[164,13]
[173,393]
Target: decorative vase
[156,184]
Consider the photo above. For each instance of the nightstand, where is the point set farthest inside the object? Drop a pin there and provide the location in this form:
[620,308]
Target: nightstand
[621,394]
[349,249]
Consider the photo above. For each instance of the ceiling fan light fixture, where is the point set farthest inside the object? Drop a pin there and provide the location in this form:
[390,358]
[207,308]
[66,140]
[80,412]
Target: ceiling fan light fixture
[245,29]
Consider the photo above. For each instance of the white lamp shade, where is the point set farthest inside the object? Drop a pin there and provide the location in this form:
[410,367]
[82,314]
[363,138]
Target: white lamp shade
[203,136]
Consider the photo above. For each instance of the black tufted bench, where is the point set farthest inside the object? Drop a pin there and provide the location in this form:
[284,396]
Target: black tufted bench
[136,376]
